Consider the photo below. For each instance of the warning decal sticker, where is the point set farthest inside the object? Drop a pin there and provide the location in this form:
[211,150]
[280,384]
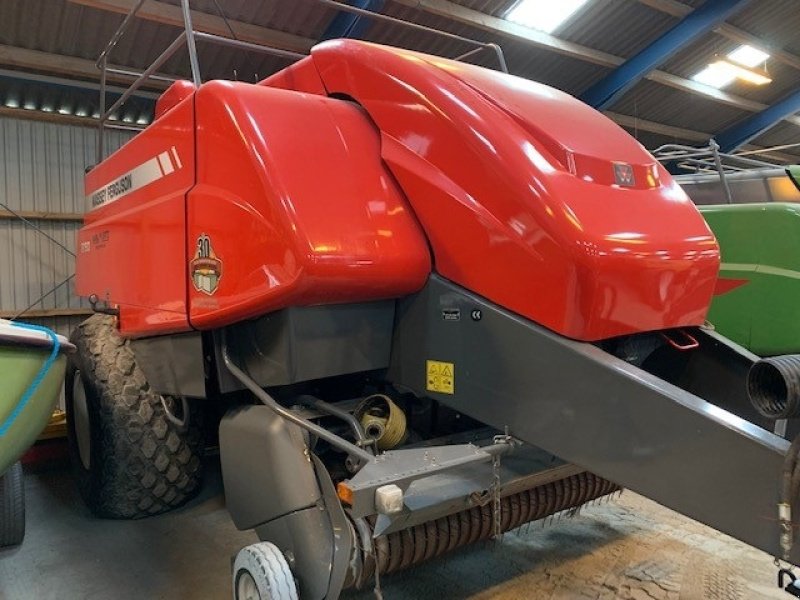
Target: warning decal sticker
[440,377]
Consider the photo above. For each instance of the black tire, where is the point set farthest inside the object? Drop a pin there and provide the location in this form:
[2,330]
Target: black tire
[140,463]
[12,507]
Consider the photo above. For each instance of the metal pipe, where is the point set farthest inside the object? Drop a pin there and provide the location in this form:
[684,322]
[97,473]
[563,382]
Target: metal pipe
[119,127]
[137,73]
[101,121]
[389,19]
[162,58]
[768,150]
[501,57]
[718,162]
[469,53]
[190,43]
[326,407]
[225,18]
[118,33]
[322,433]
[218,39]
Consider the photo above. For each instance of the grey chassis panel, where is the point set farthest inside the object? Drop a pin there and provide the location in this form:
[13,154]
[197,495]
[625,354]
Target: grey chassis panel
[173,364]
[266,467]
[306,343]
[274,484]
[594,410]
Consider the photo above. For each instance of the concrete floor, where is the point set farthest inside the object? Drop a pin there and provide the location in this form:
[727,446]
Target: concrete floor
[629,548]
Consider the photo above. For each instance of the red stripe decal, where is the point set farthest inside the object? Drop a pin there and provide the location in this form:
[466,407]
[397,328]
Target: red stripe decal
[728,285]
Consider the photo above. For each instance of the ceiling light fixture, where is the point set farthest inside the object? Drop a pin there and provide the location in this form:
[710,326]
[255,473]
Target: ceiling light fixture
[749,75]
[738,64]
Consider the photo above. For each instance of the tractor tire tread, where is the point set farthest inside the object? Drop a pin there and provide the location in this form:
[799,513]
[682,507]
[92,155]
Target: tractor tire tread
[12,507]
[146,465]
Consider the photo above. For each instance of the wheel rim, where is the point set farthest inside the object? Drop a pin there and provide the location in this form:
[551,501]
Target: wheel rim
[246,588]
[80,420]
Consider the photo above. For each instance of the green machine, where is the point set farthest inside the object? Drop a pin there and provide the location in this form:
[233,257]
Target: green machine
[753,208]
[757,300]
[32,366]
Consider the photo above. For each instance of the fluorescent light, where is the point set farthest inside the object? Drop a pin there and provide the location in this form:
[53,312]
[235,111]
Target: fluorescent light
[12,103]
[743,73]
[64,111]
[717,75]
[544,15]
[142,121]
[748,56]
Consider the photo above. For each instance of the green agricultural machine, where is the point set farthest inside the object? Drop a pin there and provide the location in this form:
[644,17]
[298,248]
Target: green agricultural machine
[753,207]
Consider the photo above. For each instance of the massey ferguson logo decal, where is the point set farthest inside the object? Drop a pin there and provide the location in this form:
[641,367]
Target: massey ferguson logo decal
[623,175]
[146,173]
[205,267]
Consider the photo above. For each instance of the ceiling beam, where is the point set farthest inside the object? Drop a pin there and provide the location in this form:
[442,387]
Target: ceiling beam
[498,26]
[635,123]
[698,22]
[742,132]
[62,65]
[168,14]
[733,33]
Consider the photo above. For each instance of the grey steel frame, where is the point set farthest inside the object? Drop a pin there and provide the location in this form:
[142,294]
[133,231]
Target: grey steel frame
[190,37]
[597,411]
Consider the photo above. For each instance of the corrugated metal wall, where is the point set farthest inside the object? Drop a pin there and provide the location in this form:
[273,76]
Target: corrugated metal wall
[41,169]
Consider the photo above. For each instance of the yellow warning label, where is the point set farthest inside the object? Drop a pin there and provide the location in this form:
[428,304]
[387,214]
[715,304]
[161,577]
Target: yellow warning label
[441,376]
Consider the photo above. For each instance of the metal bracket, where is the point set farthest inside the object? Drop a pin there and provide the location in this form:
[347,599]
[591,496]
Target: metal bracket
[402,467]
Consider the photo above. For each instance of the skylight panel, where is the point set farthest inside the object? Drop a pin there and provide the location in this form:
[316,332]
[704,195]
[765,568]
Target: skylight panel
[748,56]
[717,75]
[544,15]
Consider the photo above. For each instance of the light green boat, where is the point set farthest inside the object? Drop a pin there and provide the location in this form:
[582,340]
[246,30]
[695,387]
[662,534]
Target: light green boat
[32,365]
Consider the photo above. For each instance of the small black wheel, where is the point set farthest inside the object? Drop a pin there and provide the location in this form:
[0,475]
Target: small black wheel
[261,572]
[129,457]
[12,507]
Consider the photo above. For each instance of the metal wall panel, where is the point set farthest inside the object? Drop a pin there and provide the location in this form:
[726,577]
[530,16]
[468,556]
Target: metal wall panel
[41,169]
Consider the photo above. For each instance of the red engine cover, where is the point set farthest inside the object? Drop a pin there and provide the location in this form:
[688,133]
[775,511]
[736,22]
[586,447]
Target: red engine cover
[296,205]
[131,249]
[275,195]
[531,198]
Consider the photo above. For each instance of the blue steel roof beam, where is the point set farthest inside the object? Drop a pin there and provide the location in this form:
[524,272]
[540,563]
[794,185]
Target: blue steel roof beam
[697,23]
[346,25]
[742,132]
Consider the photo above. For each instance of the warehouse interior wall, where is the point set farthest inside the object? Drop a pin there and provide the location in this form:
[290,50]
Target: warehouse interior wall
[41,177]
